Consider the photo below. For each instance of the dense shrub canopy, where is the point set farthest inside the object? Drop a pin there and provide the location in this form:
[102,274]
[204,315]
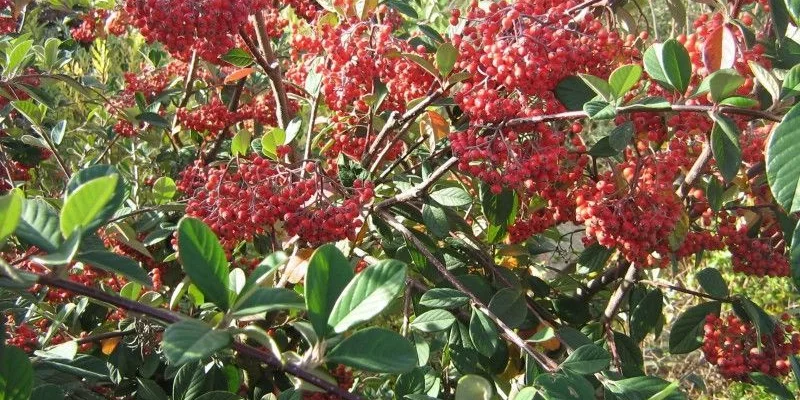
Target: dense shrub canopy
[399,199]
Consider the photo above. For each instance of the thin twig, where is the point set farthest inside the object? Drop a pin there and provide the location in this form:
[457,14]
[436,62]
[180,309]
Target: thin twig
[273,71]
[419,189]
[546,362]
[171,317]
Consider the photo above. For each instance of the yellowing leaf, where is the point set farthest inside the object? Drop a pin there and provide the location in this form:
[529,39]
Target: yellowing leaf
[109,345]
[238,74]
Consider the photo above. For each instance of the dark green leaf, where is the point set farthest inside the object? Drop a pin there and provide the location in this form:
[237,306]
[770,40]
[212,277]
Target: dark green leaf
[641,387]
[645,315]
[483,333]
[262,299]
[498,208]
[443,298]
[117,264]
[328,274]
[204,260]
[16,374]
[587,359]
[375,350]
[675,62]
[600,110]
[712,282]
[564,387]
[687,331]
[192,340]
[771,384]
[433,321]
[147,389]
[725,147]
[452,197]
[573,93]
[237,57]
[621,136]
[368,294]
[783,170]
[435,219]
[508,304]
[795,257]
[791,84]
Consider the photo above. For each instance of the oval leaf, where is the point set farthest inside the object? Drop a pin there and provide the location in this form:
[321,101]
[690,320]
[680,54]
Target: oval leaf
[204,260]
[369,293]
[376,350]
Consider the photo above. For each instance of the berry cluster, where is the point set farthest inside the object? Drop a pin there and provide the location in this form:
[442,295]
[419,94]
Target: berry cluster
[733,346]
[517,53]
[8,22]
[261,196]
[759,255]
[637,216]
[22,336]
[183,26]
[91,26]
[210,118]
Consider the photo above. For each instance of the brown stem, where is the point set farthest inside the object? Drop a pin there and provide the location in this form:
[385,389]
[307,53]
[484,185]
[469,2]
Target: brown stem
[191,73]
[669,286]
[694,172]
[273,70]
[546,362]
[419,189]
[634,108]
[170,317]
[232,106]
[103,336]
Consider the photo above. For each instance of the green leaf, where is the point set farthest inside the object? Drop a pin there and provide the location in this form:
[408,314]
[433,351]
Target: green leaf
[147,389]
[725,147]
[97,171]
[508,304]
[687,331]
[767,80]
[452,197]
[771,385]
[712,282]
[153,119]
[794,257]
[190,382]
[39,225]
[587,359]
[738,101]
[564,387]
[164,189]
[368,294]
[722,84]
[192,340]
[599,86]
[573,93]
[16,374]
[715,193]
[641,387]
[624,78]
[621,136]
[750,311]
[328,274]
[600,110]
[674,61]
[483,333]
[237,57]
[85,204]
[271,140]
[783,170]
[652,65]
[263,300]
[499,209]
[292,129]
[791,84]
[57,133]
[473,387]
[443,298]
[240,143]
[16,56]
[433,321]
[29,110]
[375,350]
[10,213]
[435,219]
[646,314]
[446,56]
[65,253]
[403,7]
[204,260]
[117,264]
[219,395]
